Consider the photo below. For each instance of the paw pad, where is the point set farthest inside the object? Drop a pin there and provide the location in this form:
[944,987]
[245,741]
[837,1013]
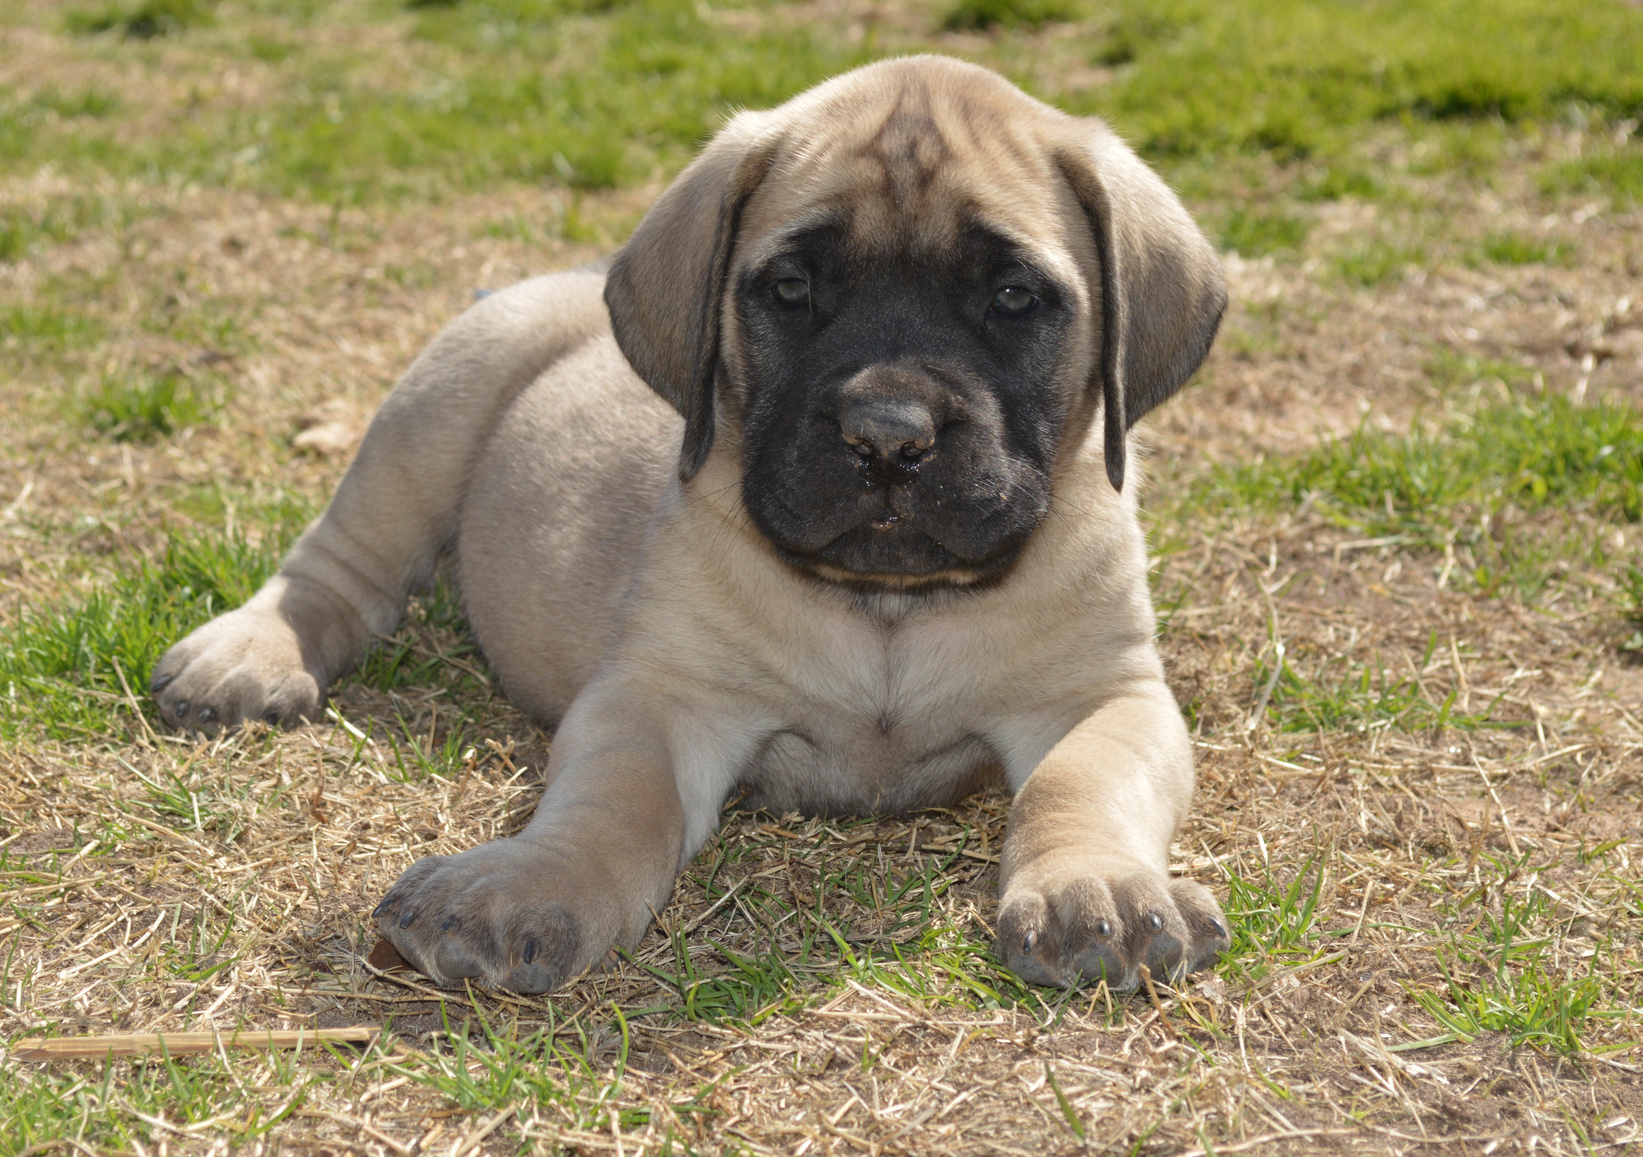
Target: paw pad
[1109,927]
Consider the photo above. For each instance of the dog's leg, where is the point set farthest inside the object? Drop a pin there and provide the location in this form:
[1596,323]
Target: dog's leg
[349,575]
[1085,887]
[626,806]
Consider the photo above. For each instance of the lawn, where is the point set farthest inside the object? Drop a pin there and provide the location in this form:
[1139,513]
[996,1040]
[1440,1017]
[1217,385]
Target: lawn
[1396,535]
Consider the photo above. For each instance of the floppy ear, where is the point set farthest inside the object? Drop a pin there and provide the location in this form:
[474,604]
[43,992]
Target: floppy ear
[666,285]
[1162,290]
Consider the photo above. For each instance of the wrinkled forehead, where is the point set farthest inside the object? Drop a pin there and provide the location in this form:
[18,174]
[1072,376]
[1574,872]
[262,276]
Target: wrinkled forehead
[908,172]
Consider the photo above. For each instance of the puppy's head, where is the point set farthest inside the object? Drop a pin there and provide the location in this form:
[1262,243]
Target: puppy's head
[901,299]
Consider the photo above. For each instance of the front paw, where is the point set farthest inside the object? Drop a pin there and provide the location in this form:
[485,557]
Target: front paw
[1106,921]
[507,912]
[247,664]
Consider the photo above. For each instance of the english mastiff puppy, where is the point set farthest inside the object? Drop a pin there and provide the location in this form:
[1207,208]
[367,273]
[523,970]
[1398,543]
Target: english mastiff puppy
[817,497]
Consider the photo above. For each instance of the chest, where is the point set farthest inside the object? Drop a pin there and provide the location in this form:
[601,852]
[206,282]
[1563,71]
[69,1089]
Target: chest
[880,720]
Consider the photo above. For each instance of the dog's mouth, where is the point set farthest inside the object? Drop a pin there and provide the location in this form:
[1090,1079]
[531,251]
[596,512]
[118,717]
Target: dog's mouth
[889,552]
[955,528]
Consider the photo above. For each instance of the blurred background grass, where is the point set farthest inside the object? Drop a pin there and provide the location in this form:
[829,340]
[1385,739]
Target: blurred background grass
[387,99]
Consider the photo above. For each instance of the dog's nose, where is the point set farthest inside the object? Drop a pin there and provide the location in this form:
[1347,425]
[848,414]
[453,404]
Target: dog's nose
[891,436]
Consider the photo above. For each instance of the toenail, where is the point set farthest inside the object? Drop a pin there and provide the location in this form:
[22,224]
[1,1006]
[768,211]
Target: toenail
[1220,928]
[1102,928]
[1155,922]
[405,920]
[207,715]
[272,718]
[182,708]
[160,683]
[380,908]
[530,951]
[1029,942]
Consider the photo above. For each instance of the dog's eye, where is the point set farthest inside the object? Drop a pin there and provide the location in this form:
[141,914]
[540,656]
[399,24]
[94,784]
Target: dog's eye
[792,292]
[1013,301]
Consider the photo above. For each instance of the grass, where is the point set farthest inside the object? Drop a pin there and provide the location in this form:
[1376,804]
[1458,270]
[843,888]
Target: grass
[629,86]
[24,230]
[1344,695]
[134,405]
[1372,264]
[72,669]
[1618,174]
[1254,234]
[1495,484]
[1631,579]
[1527,1003]
[1293,78]
[987,14]
[1517,249]
[1530,454]
[1338,180]
[1272,923]
[142,21]
[526,90]
[1406,648]
[106,1110]
[66,666]
[30,328]
[1497,980]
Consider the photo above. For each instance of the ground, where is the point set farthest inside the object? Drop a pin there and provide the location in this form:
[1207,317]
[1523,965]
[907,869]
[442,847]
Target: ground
[1395,521]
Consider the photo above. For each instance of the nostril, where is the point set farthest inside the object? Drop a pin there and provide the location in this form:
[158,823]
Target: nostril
[899,431]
